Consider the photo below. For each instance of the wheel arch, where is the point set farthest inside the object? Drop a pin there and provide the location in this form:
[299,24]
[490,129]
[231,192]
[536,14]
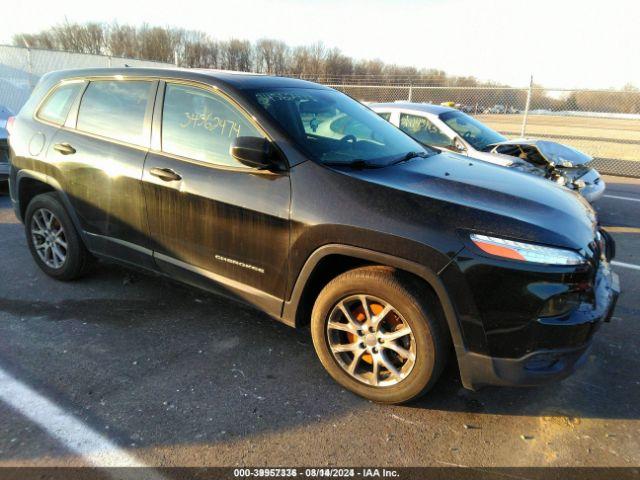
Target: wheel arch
[31,183]
[317,271]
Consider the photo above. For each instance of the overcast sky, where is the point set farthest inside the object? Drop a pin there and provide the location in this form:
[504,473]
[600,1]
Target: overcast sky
[563,43]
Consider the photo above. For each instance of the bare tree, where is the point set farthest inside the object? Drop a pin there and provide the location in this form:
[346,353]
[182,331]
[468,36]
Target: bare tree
[337,65]
[299,61]
[36,40]
[74,37]
[282,58]
[317,56]
[236,55]
[200,51]
[368,68]
[270,56]
[159,44]
[316,62]
[122,41]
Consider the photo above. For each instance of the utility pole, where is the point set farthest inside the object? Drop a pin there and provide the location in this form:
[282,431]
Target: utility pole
[523,131]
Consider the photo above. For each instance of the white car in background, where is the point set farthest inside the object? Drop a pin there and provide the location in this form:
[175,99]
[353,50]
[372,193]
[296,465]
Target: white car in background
[447,128]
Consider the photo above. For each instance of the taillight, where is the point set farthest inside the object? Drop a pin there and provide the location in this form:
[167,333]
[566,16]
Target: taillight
[10,122]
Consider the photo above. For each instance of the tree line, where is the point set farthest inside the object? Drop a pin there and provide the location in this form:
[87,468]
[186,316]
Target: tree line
[196,49]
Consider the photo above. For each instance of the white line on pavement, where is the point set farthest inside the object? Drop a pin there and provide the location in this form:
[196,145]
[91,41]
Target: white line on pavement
[622,198]
[626,265]
[71,432]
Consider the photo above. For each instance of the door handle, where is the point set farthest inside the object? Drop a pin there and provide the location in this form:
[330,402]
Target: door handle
[165,174]
[64,148]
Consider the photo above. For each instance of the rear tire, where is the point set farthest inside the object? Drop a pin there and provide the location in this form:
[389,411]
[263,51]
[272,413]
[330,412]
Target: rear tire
[53,240]
[396,336]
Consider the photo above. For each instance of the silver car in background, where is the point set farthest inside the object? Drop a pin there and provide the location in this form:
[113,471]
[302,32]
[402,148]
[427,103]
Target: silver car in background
[448,128]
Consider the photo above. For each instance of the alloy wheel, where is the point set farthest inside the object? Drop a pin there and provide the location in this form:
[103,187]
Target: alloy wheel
[48,237]
[371,341]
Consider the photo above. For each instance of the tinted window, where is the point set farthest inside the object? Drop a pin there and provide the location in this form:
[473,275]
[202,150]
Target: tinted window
[423,130]
[201,125]
[332,128]
[115,109]
[57,105]
[385,115]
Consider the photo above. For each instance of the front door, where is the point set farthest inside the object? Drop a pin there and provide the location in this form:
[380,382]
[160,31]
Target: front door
[213,221]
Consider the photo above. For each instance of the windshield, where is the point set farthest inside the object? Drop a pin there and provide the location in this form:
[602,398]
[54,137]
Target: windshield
[477,134]
[332,128]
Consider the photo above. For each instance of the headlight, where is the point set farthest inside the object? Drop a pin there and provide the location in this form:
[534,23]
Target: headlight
[526,252]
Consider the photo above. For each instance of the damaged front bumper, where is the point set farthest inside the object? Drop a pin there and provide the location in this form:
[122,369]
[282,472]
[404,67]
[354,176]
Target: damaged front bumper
[547,365]
[589,184]
[559,163]
[593,192]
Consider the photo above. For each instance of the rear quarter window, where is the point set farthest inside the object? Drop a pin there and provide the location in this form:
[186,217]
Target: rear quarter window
[115,109]
[56,106]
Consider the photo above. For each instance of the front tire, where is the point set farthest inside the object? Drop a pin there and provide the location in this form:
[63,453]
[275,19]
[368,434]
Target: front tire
[53,240]
[379,335]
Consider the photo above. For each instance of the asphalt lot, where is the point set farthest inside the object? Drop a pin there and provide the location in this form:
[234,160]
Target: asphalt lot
[172,376]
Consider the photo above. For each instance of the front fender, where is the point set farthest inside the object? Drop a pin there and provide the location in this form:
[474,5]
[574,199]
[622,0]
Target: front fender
[432,278]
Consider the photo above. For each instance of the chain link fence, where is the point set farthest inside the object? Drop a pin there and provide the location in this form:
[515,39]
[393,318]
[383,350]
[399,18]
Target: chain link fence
[21,68]
[603,123]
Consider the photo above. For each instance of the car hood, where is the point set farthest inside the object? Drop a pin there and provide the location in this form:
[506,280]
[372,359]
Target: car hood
[508,161]
[555,153]
[491,198]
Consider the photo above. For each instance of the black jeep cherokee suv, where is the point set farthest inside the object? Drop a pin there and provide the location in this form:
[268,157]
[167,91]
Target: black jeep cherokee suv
[300,201]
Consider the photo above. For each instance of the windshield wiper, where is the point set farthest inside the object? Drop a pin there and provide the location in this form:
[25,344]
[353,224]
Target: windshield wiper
[357,163]
[409,155]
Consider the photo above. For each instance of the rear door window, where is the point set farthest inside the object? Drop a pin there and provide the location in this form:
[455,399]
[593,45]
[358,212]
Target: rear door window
[423,130]
[116,109]
[201,125]
[57,105]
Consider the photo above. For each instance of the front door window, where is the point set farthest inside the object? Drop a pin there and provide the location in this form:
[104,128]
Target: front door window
[423,130]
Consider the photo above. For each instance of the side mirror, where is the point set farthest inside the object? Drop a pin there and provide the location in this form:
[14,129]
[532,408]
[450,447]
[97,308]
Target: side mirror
[458,145]
[254,152]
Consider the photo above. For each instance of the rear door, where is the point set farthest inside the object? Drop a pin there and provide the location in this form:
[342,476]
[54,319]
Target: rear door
[98,157]
[214,222]
[30,147]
